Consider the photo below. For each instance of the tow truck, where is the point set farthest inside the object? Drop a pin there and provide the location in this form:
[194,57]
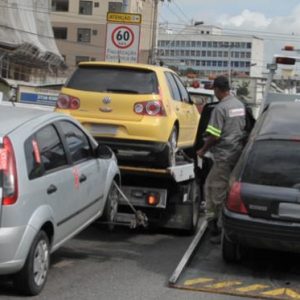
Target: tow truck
[162,197]
[263,274]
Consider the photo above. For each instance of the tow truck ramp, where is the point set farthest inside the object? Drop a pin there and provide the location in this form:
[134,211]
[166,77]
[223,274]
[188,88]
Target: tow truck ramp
[261,274]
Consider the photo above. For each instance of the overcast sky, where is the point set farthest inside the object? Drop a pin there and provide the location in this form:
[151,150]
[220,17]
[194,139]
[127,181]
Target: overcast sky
[281,18]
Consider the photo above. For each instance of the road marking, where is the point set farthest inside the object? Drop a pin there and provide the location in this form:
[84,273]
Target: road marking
[64,263]
[197,280]
[283,292]
[252,287]
[224,284]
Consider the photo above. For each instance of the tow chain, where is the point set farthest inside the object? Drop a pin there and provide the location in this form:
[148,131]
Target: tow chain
[140,217]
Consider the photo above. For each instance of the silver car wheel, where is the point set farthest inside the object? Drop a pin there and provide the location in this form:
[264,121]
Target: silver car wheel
[41,262]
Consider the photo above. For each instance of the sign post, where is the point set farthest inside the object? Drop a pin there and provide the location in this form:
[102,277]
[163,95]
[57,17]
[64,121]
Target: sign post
[122,37]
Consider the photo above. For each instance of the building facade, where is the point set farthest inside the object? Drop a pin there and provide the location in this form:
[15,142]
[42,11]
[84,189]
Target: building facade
[80,27]
[208,51]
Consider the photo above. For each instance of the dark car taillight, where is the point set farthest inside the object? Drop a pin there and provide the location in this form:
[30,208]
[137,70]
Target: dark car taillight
[9,173]
[234,200]
[67,102]
[150,108]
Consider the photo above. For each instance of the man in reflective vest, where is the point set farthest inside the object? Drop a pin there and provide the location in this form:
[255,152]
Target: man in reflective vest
[225,136]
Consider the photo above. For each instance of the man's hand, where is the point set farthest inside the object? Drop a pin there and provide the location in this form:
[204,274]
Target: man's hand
[201,152]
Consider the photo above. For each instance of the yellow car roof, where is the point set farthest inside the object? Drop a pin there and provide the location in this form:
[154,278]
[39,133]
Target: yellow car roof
[125,65]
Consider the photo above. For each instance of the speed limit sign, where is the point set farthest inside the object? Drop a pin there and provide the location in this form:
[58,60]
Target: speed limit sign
[122,42]
[122,37]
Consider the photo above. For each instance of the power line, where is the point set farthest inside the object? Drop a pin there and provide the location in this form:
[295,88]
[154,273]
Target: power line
[180,9]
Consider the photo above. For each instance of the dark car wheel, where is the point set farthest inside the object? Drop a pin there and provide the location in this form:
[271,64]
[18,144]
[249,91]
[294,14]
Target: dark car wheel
[32,278]
[231,251]
[168,157]
[111,207]
[194,196]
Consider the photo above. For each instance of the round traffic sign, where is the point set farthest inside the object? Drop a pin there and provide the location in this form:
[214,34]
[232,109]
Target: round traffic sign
[122,37]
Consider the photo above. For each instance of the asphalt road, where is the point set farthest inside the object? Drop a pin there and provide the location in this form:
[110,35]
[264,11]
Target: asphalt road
[123,264]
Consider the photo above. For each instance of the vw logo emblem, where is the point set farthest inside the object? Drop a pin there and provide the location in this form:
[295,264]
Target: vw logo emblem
[106,100]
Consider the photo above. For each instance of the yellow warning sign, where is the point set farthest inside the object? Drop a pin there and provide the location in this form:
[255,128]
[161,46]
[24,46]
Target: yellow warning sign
[124,18]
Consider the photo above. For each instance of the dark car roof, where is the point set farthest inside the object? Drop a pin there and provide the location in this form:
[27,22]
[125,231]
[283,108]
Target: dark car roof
[13,117]
[281,120]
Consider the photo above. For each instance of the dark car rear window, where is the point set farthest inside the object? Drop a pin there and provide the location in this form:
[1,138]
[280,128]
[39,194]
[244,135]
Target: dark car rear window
[112,79]
[275,163]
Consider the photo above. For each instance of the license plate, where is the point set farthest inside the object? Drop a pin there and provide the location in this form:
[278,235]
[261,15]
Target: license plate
[289,210]
[103,129]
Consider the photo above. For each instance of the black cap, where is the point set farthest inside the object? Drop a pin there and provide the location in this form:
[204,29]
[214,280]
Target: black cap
[222,83]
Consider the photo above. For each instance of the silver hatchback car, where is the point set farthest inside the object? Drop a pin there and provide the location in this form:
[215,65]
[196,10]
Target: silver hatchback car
[54,181]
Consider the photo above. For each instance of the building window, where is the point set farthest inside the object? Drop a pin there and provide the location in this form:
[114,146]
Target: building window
[225,54]
[220,53]
[209,53]
[181,52]
[192,53]
[225,63]
[219,63]
[188,44]
[96,4]
[204,44]
[115,6]
[203,53]
[198,53]
[182,43]
[193,44]
[79,59]
[198,44]
[248,55]
[60,5]
[60,33]
[85,7]
[209,44]
[237,54]
[214,53]
[214,63]
[187,53]
[83,35]
[242,64]
[215,44]
[249,45]
[242,54]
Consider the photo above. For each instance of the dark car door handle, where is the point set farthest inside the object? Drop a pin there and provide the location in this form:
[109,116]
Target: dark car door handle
[51,189]
[82,178]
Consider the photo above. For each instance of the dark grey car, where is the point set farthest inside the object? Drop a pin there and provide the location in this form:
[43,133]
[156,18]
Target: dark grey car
[54,182]
[263,205]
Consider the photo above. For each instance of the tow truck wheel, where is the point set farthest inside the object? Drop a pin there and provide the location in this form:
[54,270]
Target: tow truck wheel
[231,251]
[111,207]
[195,204]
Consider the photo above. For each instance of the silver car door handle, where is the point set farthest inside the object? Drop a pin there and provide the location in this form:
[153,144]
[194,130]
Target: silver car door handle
[82,178]
[51,189]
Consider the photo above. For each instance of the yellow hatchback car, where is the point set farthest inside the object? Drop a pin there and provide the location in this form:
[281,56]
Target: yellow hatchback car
[142,108]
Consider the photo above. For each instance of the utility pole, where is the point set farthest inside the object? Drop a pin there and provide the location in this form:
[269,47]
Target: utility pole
[154,33]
